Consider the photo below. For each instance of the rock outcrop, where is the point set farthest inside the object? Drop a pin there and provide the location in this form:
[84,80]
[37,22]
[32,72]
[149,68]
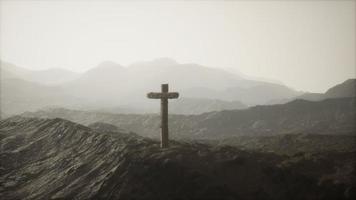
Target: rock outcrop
[59,159]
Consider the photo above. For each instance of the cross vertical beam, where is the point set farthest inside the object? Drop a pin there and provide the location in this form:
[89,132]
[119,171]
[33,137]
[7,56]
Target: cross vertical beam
[164,95]
[164,117]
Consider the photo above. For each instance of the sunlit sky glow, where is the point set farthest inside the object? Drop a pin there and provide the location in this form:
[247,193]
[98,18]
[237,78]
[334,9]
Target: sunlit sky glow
[308,45]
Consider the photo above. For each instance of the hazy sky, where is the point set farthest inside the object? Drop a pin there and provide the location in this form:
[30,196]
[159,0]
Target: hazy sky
[308,45]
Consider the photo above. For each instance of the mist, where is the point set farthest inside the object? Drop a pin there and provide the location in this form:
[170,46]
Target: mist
[306,45]
[160,100]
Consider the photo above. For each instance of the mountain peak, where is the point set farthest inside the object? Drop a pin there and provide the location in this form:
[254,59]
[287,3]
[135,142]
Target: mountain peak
[351,80]
[106,67]
[345,89]
[108,64]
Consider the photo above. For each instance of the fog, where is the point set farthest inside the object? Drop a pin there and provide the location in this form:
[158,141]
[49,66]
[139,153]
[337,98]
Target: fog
[307,45]
[177,99]
[219,55]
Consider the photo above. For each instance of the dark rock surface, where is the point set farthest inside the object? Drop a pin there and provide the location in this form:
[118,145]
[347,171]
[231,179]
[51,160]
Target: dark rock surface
[290,144]
[106,127]
[59,159]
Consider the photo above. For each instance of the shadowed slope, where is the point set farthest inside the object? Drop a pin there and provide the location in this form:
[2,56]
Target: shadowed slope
[58,159]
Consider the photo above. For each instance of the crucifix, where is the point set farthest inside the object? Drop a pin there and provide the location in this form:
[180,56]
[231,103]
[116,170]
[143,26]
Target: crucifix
[164,95]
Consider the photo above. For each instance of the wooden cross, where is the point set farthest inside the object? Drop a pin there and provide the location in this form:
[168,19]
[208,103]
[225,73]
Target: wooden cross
[164,95]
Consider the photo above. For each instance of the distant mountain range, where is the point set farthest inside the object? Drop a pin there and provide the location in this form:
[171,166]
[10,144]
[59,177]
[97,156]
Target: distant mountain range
[77,146]
[110,86]
[327,117]
[48,77]
[190,106]
[335,116]
[294,150]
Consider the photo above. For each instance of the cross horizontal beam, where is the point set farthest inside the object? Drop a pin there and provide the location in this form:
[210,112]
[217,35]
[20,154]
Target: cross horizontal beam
[164,95]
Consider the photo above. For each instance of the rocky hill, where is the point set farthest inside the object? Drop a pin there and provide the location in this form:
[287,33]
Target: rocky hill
[345,89]
[291,144]
[328,117]
[331,116]
[342,90]
[59,159]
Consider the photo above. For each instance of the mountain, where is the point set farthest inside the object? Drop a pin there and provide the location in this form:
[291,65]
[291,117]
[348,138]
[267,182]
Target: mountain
[52,76]
[310,97]
[332,116]
[18,95]
[59,159]
[261,94]
[128,85]
[257,94]
[27,90]
[181,76]
[184,106]
[190,106]
[327,117]
[114,88]
[345,89]
[113,84]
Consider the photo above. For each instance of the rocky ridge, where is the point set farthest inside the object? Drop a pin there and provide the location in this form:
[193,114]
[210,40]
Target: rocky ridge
[327,117]
[59,159]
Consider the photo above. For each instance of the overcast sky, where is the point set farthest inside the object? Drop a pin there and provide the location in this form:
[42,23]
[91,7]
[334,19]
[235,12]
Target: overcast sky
[308,45]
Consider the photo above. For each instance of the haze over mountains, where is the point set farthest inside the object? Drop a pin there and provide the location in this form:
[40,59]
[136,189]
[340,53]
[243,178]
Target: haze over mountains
[110,86]
[114,88]
[266,107]
[48,77]
[298,150]
[328,117]
[74,140]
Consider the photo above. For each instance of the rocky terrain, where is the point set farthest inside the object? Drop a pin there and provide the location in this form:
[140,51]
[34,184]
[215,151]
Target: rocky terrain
[297,150]
[327,117]
[292,144]
[59,159]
